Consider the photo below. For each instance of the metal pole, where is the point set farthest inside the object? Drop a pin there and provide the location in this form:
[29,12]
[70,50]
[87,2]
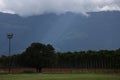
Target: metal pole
[9,36]
[9,55]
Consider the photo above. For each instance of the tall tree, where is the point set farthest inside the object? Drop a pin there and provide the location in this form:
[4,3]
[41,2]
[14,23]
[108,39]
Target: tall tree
[38,55]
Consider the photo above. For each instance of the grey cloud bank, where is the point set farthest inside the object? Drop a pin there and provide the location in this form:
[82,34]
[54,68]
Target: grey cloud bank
[37,7]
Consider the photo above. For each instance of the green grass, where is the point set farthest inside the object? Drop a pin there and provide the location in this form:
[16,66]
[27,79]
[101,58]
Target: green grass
[59,77]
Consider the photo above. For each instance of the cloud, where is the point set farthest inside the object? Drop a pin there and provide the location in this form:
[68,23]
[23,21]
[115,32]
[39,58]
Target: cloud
[37,7]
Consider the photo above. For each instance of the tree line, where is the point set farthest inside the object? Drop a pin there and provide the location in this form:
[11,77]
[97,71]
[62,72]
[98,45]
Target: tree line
[39,56]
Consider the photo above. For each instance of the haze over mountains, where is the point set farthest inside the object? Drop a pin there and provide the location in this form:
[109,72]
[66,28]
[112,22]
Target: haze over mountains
[66,32]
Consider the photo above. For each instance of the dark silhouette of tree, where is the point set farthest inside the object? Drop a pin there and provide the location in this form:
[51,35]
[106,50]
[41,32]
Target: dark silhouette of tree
[38,55]
[4,61]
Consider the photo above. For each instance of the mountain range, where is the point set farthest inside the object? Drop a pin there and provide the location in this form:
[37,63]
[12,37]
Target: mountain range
[66,32]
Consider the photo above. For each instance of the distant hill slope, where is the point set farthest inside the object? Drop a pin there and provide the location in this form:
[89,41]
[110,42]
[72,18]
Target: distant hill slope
[66,32]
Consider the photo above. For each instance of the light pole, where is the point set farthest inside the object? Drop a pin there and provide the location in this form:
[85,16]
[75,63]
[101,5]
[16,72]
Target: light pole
[10,36]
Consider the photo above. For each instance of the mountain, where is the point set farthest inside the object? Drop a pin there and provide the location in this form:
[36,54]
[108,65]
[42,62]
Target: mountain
[66,32]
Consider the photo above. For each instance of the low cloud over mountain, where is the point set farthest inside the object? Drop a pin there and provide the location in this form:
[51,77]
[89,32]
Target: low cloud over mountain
[37,7]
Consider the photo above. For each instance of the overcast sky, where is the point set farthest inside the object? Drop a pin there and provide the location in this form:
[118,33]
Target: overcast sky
[37,7]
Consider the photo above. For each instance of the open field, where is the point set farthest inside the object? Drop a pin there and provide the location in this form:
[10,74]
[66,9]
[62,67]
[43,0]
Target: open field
[87,76]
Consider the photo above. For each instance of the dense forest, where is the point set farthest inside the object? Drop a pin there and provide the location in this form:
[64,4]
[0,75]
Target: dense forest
[39,55]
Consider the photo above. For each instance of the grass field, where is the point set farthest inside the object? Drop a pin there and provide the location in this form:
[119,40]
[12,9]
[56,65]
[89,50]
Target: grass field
[87,76]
